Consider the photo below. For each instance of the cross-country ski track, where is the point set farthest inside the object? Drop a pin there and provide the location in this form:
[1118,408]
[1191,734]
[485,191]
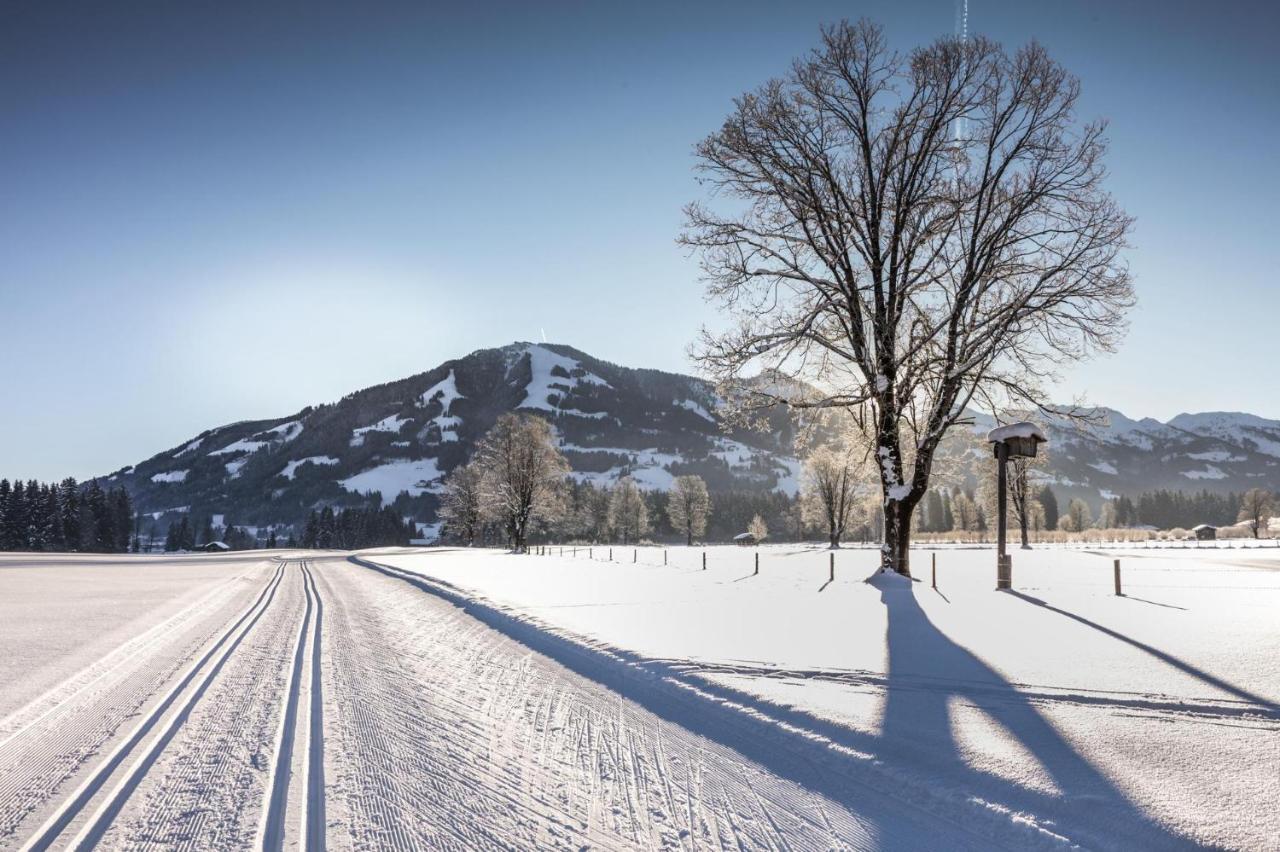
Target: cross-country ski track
[322,703]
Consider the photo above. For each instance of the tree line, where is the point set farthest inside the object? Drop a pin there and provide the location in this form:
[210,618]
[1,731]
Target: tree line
[351,529]
[65,516]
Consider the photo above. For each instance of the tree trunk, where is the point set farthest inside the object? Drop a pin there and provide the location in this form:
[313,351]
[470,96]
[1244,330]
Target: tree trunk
[1022,522]
[895,553]
[689,534]
[835,540]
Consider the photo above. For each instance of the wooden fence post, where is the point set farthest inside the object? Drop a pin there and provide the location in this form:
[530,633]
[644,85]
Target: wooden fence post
[832,576]
[757,562]
[1117,568]
[704,560]
[664,557]
[635,556]
[611,554]
[935,570]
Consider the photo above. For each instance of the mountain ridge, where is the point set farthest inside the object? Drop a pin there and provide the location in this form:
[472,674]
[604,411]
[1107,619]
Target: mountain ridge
[395,441]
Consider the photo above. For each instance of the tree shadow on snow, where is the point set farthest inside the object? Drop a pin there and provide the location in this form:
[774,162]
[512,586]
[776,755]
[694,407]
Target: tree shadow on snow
[928,672]
[857,770]
[1162,656]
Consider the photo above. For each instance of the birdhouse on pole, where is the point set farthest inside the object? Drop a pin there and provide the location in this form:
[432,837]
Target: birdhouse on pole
[1011,441]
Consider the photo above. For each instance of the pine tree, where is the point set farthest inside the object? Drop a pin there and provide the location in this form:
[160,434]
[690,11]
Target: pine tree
[1050,503]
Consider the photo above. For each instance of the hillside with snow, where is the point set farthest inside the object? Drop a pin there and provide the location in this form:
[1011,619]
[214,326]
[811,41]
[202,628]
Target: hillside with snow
[395,443]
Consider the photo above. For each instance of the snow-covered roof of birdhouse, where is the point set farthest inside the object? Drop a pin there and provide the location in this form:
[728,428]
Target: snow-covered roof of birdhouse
[1016,430]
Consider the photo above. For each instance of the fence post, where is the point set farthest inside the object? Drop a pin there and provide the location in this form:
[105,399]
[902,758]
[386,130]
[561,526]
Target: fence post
[757,562]
[635,556]
[591,553]
[704,560]
[611,554]
[935,570]
[1117,567]
[831,578]
[664,557]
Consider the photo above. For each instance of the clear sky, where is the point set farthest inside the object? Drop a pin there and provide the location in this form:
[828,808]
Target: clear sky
[221,213]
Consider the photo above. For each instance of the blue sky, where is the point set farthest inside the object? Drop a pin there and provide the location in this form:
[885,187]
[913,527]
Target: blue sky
[231,212]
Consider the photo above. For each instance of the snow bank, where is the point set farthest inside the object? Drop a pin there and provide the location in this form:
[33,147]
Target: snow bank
[170,476]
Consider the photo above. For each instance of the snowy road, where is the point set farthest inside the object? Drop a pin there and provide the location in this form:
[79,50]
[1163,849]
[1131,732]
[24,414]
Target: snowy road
[315,703]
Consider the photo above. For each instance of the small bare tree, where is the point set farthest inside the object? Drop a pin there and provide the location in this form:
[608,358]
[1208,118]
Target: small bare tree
[523,475]
[628,513]
[1256,507]
[907,236]
[689,506]
[1021,506]
[829,484]
[758,528]
[462,503]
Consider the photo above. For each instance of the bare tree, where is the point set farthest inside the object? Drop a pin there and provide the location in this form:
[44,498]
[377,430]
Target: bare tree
[523,475]
[906,236]
[595,513]
[829,483]
[758,528]
[1256,506]
[462,503]
[1021,507]
[689,506]
[628,513]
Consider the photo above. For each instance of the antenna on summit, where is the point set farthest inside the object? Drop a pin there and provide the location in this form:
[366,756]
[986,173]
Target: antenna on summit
[544,334]
[962,30]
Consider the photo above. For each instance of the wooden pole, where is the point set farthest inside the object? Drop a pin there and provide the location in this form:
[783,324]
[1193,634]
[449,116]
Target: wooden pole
[704,560]
[611,554]
[635,556]
[935,570]
[1004,570]
[664,557]
[1117,569]
[757,562]
[831,578]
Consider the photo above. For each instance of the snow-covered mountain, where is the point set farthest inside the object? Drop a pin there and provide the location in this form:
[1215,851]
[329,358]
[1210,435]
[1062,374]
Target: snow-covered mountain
[1218,451]
[395,442]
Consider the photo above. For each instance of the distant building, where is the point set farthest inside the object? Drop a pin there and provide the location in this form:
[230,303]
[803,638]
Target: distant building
[744,539]
[214,547]
[1205,532]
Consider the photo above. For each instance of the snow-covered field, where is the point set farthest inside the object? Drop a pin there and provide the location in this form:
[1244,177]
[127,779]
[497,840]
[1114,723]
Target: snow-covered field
[1058,714]
[305,701]
[427,699]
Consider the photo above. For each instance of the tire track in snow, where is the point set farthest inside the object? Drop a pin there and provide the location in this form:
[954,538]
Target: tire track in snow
[208,788]
[272,832]
[54,735]
[315,825]
[47,834]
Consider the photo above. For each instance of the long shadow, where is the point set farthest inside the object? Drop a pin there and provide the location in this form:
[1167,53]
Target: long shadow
[1153,603]
[917,724]
[857,770]
[741,722]
[1162,656]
